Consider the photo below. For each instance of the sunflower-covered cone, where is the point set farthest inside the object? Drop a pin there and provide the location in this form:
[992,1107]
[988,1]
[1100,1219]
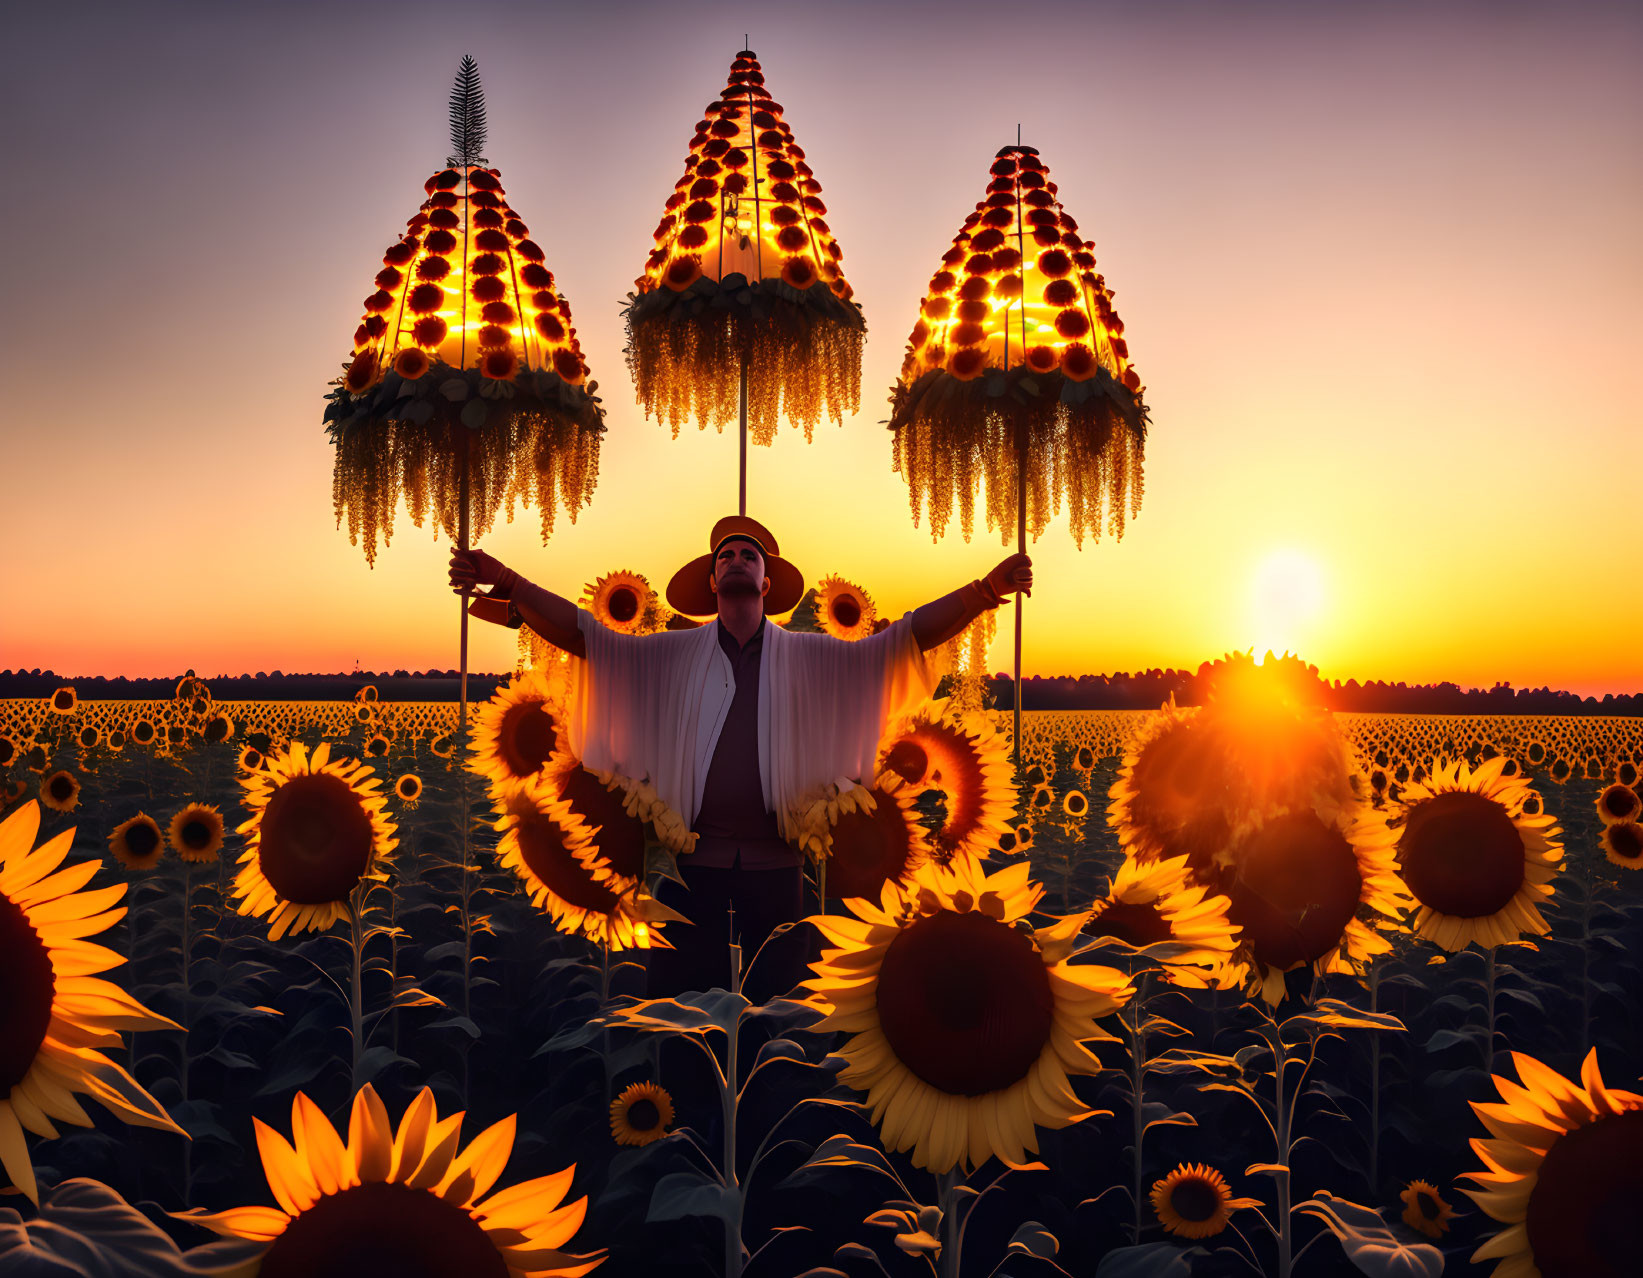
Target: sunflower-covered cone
[745,272]
[1018,353]
[465,352]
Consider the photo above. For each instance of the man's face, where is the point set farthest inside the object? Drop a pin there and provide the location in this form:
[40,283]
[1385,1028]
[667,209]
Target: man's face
[738,569]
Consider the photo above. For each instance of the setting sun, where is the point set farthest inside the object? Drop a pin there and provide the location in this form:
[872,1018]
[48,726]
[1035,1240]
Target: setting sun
[1286,601]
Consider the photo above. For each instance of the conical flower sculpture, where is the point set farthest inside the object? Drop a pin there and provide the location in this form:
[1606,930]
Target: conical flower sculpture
[1018,371]
[465,362]
[743,296]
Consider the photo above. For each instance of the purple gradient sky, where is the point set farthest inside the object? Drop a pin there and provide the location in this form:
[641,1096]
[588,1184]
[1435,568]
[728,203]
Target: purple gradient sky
[1379,268]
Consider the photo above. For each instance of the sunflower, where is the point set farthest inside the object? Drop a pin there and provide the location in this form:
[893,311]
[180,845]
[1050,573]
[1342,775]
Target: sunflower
[219,727]
[196,833]
[641,1114]
[137,842]
[88,737]
[405,1201]
[1042,798]
[377,746]
[1477,863]
[143,731]
[408,789]
[961,754]
[1425,1210]
[251,758]
[620,601]
[8,751]
[14,789]
[964,1020]
[442,744]
[365,714]
[1626,773]
[1084,759]
[844,609]
[1150,903]
[36,758]
[518,730]
[1195,1202]
[1562,1174]
[1618,802]
[60,792]
[366,692]
[1622,844]
[56,1012]
[1296,886]
[317,829]
[867,835]
[1074,804]
[64,701]
[553,852]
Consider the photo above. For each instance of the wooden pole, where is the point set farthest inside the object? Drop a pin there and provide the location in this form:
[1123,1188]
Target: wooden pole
[464,438]
[741,507]
[1021,548]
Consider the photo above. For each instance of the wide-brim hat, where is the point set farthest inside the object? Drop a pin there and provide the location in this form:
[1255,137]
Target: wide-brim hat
[690,593]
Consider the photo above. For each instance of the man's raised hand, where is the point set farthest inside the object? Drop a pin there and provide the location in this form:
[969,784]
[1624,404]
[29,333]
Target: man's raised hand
[1013,575]
[470,568]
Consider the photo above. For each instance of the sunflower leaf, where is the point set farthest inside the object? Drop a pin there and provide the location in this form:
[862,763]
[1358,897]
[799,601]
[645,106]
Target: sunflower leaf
[1149,1260]
[681,1194]
[1369,1242]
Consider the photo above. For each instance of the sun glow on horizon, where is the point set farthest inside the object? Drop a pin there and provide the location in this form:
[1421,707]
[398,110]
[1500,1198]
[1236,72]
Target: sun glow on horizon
[1287,597]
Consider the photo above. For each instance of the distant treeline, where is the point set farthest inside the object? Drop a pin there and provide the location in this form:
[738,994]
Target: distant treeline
[1143,690]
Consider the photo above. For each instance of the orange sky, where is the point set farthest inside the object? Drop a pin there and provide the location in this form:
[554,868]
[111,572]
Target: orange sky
[1379,271]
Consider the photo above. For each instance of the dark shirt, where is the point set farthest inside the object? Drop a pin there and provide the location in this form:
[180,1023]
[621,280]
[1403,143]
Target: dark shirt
[733,823]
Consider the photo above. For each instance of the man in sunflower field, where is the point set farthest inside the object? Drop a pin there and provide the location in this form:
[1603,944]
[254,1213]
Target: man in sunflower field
[732,723]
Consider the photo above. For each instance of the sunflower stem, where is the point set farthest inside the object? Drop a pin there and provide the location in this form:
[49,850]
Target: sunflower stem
[467,912]
[182,1064]
[1280,1050]
[947,1199]
[1138,1063]
[1489,1003]
[727,1105]
[1374,1085]
[354,1007]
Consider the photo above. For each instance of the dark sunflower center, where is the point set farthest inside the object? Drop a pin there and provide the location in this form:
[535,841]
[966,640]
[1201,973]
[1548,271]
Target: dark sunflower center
[1195,1199]
[1537,752]
[1582,1214]
[63,701]
[1618,801]
[1086,757]
[217,729]
[382,1228]
[1627,840]
[88,736]
[908,760]
[542,845]
[315,839]
[1075,803]
[620,838]
[624,604]
[1461,855]
[1427,1204]
[25,995]
[141,839]
[1296,889]
[409,789]
[869,848]
[526,738]
[643,1115]
[196,833]
[62,787]
[8,751]
[1138,924]
[846,611]
[965,1002]
[143,732]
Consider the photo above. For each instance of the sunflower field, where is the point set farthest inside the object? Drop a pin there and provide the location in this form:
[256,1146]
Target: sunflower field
[1245,987]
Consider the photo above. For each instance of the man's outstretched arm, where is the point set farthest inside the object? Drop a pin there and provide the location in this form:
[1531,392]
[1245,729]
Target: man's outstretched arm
[939,620]
[551,616]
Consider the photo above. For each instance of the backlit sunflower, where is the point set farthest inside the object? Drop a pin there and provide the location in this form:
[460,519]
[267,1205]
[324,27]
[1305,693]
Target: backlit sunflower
[1618,802]
[442,744]
[555,860]
[37,758]
[65,701]
[641,1114]
[961,754]
[317,828]
[408,790]
[56,1013]
[964,1020]
[1194,1201]
[377,746]
[218,727]
[1477,863]
[867,835]
[621,601]
[143,731]
[1622,844]
[401,1202]
[1563,1174]
[196,832]
[137,842]
[60,792]
[88,737]
[843,609]
[1147,904]
[1425,1210]
[251,758]
[1626,773]
[1074,804]
[518,730]
[1296,886]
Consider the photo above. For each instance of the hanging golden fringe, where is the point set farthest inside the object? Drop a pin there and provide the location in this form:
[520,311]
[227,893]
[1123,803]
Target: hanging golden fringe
[945,444]
[531,456]
[690,367]
[963,659]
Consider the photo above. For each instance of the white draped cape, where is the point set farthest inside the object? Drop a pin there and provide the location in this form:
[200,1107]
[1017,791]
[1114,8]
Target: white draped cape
[652,706]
